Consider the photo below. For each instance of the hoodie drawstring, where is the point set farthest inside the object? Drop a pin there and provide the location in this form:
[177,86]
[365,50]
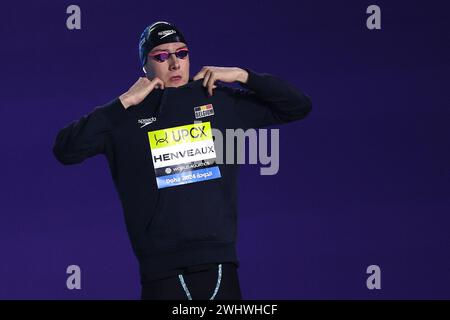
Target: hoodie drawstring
[219,278]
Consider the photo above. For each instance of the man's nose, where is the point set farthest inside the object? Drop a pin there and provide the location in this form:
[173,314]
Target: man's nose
[173,62]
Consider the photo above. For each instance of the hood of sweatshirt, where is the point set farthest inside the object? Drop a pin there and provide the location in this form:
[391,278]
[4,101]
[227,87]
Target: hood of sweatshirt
[191,84]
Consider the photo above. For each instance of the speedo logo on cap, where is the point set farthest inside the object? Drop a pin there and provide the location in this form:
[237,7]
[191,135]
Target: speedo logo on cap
[166,33]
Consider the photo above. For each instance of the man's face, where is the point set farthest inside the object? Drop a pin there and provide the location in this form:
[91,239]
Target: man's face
[173,66]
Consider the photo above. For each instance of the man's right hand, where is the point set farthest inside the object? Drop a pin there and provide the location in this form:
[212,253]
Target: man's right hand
[139,90]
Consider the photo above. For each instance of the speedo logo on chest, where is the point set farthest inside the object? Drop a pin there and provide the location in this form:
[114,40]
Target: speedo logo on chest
[145,122]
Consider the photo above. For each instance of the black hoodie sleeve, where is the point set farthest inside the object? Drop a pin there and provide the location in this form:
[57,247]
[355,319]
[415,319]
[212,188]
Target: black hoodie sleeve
[269,100]
[88,136]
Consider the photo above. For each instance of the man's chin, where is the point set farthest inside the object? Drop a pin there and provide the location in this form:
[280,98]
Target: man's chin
[174,84]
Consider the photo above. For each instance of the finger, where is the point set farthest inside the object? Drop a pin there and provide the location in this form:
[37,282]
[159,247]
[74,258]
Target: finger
[160,84]
[205,79]
[211,81]
[144,81]
[156,82]
[155,85]
[200,74]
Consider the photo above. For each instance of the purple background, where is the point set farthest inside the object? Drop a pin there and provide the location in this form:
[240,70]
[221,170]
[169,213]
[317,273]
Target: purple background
[364,179]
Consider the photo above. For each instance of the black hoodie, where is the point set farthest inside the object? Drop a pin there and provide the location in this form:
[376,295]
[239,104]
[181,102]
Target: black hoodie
[187,224]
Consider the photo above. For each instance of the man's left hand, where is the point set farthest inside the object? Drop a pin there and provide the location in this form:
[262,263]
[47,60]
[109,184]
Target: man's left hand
[211,74]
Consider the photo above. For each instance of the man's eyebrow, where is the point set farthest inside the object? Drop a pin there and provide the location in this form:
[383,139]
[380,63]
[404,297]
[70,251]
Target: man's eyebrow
[168,49]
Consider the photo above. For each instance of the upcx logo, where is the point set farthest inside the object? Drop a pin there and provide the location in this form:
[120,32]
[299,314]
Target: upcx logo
[177,135]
